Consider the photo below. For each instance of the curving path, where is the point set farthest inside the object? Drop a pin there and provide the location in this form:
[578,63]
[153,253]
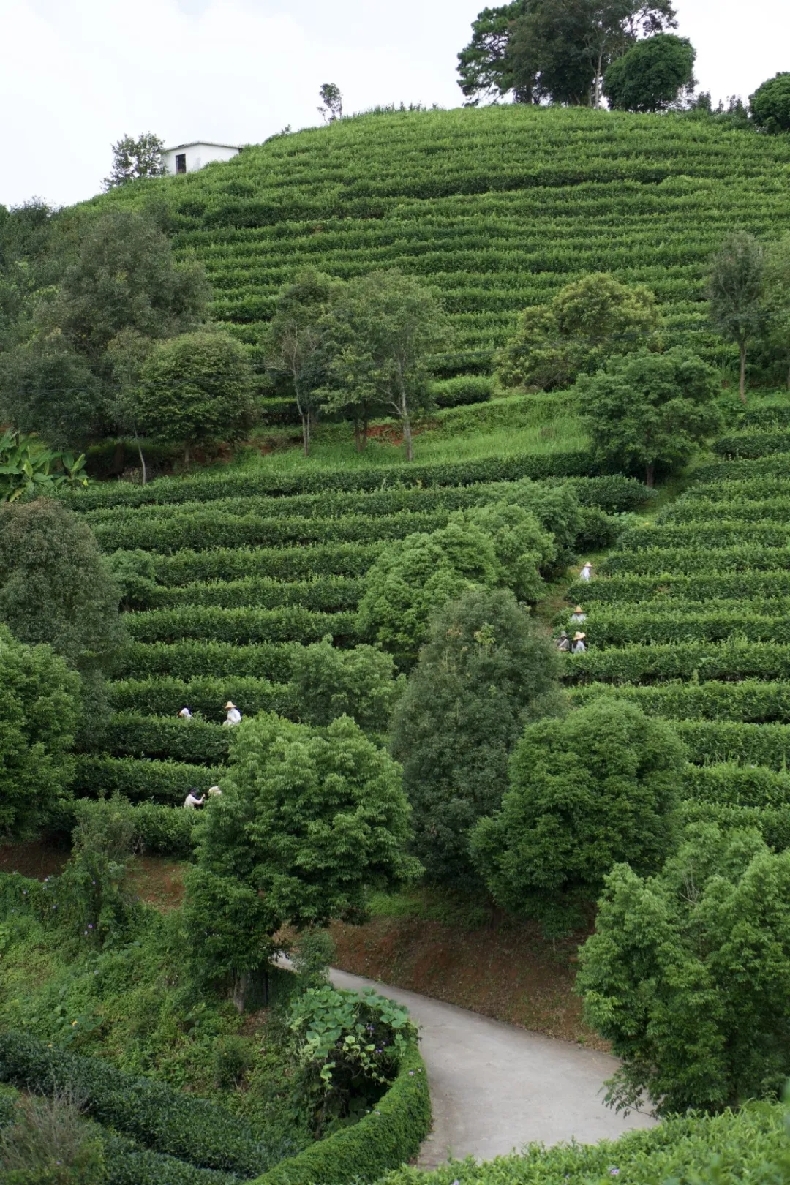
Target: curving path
[495,1087]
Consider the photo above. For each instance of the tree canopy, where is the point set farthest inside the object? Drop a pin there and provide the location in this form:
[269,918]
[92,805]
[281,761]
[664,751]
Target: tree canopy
[586,322]
[735,293]
[770,104]
[688,974]
[39,714]
[649,409]
[307,822]
[587,792]
[556,50]
[651,75]
[135,158]
[485,669]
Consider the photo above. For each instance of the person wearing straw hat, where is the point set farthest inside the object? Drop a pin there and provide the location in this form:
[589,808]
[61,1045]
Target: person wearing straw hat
[563,642]
[233,714]
[578,617]
[579,646]
[586,573]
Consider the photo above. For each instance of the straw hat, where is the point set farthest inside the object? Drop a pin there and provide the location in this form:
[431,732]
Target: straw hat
[229,704]
[578,609]
[579,637]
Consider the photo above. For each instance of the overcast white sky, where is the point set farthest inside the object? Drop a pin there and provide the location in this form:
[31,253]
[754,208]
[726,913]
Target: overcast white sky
[75,75]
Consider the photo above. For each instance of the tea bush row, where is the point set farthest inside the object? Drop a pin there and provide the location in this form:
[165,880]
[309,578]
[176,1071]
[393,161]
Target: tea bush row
[190,659]
[638,663]
[749,701]
[240,626]
[143,780]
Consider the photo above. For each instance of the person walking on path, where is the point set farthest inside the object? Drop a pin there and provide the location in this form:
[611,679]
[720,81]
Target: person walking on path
[586,573]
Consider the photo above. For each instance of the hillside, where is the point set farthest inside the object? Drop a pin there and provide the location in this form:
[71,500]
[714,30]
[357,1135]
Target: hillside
[497,207]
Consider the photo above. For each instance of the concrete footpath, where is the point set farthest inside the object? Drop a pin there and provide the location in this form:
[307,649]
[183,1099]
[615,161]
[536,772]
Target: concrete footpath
[495,1088]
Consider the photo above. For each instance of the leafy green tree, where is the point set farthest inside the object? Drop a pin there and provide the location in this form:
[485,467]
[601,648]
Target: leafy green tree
[484,67]
[360,683]
[383,327]
[586,322]
[556,50]
[688,975]
[586,793]
[649,410]
[331,102]
[414,576]
[521,546]
[295,342]
[39,714]
[54,585]
[776,300]
[132,159]
[770,104]
[196,390]
[651,75]
[486,669]
[735,294]
[119,276]
[307,822]
[25,250]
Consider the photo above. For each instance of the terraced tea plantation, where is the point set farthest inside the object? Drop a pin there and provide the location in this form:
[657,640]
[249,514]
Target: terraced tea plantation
[247,571]
[498,208]
[688,619]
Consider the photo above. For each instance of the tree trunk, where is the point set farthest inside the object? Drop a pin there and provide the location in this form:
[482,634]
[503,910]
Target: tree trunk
[357,436]
[306,434]
[119,457]
[364,434]
[742,387]
[649,476]
[186,456]
[251,990]
[598,81]
[142,462]
[407,437]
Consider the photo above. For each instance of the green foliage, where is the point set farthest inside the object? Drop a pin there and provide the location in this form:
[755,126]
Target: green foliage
[133,159]
[349,1048]
[651,75]
[93,899]
[381,329]
[770,104]
[49,1144]
[649,410]
[358,683]
[588,792]
[688,973]
[307,822]
[735,292]
[39,713]
[28,468]
[411,579]
[54,587]
[522,548]
[462,390]
[195,390]
[484,671]
[585,322]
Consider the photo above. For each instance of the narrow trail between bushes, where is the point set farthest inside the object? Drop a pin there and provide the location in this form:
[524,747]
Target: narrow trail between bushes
[495,1087]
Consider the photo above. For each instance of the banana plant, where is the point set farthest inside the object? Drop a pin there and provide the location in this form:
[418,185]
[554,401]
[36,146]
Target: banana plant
[29,468]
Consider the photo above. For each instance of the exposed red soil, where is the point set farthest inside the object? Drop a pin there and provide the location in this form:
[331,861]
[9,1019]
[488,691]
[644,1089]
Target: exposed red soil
[36,859]
[505,971]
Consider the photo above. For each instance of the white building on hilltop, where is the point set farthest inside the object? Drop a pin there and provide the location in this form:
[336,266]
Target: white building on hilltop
[188,158]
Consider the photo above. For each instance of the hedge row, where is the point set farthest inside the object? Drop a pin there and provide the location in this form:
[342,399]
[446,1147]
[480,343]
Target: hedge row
[745,510]
[273,484]
[386,1138]
[735,659]
[195,742]
[126,1163]
[166,696]
[276,563]
[666,589]
[753,444]
[772,822]
[613,493]
[620,625]
[292,623]
[163,1119]
[750,701]
[700,557]
[718,533]
[140,780]
[750,744]
[189,660]
[205,530]
[718,472]
[324,594]
[729,784]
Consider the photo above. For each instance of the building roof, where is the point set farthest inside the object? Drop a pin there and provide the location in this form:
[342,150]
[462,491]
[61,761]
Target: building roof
[201,144]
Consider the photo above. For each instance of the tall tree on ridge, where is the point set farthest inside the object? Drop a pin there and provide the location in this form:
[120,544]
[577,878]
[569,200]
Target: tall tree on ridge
[133,159]
[735,292]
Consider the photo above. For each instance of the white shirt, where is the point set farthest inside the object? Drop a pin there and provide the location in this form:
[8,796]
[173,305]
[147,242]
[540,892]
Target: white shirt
[586,573]
[234,716]
[190,802]
[577,618]
[579,648]
[185,714]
